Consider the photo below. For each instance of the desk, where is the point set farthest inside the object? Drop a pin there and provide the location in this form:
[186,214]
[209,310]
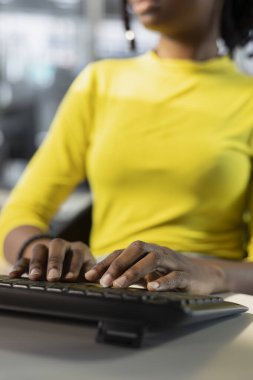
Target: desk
[43,349]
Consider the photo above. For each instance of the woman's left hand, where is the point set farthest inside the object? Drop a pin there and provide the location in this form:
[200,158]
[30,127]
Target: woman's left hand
[161,269]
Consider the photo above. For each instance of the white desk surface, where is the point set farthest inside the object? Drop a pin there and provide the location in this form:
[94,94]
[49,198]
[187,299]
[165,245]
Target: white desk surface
[41,349]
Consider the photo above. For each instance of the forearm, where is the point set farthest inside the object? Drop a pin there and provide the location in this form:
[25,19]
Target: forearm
[235,276]
[15,239]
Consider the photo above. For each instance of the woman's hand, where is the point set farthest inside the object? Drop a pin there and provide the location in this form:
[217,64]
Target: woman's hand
[55,260]
[160,267]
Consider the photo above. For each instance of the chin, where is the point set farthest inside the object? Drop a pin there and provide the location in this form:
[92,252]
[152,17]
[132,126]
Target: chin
[155,23]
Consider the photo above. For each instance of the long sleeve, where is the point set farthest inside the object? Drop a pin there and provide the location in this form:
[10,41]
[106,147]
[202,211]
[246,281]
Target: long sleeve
[249,221]
[58,166]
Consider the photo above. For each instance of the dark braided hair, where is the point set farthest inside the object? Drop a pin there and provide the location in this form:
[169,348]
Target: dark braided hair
[126,19]
[236,23]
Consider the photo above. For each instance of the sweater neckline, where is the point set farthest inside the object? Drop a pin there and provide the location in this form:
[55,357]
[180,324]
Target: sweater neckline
[217,64]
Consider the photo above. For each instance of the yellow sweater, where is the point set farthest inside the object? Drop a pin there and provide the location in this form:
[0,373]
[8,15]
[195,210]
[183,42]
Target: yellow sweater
[167,148]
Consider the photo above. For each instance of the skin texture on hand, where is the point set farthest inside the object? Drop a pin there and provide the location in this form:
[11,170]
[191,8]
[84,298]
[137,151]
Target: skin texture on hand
[55,260]
[160,268]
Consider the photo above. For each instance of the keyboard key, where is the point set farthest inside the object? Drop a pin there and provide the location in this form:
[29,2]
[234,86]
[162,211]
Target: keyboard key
[54,290]
[91,293]
[154,300]
[76,292]
[130,297]
[5,284]
[20,286]
[112,295]
[34,287]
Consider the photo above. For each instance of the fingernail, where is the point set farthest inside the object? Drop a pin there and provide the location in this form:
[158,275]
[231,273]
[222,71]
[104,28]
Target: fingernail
[120,282]
[34,272]
[53,273]
[106,280]
[69,276]
[91,274]
[154,285]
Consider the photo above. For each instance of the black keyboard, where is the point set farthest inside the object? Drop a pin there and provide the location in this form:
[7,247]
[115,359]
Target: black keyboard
[123,315]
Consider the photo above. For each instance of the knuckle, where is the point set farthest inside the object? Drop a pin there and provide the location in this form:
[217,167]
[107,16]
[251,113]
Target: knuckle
[178,279]
[155,257]
[117,252]
[185,279]
[182,275]
[57,241]
[116,267]
[38,250]
[101,266]
[114,255]
[172,279]
[109,262]
[76,265]
[34,261]
[78,253]
[138,244]
[39,247]
[131,274]
[80,245]
[92,261]
[54,260]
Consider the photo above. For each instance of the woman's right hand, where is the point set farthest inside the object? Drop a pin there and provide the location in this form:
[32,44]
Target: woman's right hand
[55,260]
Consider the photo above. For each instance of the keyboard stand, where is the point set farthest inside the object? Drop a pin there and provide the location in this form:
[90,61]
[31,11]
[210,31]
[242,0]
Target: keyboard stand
[124,334]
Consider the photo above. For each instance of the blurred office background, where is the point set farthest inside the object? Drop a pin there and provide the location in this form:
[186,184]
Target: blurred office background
[44,44]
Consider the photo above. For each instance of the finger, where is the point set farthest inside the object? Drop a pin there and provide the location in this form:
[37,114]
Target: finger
[75,265]
[133,253]
[100,268]
[38,262]
[56,255]
[19,268]
[89,260]
[139,270]
[177,280]
[155,275]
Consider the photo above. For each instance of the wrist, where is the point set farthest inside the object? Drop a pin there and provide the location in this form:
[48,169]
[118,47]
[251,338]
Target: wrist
[213,274]
[220,283]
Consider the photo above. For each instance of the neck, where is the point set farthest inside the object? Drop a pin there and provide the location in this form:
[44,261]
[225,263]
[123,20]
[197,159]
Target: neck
[182,49]
[198,46]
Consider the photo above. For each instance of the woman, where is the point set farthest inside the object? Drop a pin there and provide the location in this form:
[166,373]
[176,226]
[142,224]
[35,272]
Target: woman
[165,140]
